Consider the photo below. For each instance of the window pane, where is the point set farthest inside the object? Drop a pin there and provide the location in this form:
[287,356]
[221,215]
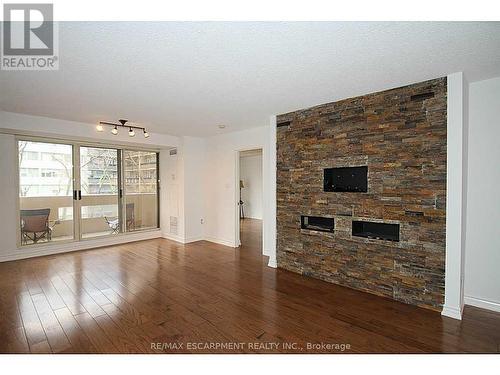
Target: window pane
[140,190]
[99,185]
[45,188]
[99,172]
[29,172]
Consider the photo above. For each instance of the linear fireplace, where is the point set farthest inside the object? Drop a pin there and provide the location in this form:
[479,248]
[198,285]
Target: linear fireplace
[323,224]
[379,231]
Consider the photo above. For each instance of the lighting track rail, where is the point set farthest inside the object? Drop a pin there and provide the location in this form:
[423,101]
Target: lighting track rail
[121,124]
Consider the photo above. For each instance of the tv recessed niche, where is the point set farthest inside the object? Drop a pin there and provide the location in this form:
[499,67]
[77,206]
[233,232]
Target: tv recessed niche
[346,179]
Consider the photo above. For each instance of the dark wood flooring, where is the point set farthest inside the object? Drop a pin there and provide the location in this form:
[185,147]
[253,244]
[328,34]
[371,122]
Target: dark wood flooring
[158,296]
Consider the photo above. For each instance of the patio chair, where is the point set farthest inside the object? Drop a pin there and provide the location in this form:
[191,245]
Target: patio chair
[35,225]
[114,224]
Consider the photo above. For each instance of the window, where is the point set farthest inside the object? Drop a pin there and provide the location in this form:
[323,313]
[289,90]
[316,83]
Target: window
[99,172]
[31,155]
[140,189]
[46,156]
[65,214]
[44,193]
[140,172]
[107,210]
[116,191]
[29,172]
[100,202]
[51,173]
[28,190]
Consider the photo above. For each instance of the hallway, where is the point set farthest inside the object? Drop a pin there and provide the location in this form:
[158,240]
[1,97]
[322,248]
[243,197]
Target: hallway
[251,234]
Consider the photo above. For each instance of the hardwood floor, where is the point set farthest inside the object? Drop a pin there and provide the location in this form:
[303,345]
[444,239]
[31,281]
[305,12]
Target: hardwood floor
[158,296]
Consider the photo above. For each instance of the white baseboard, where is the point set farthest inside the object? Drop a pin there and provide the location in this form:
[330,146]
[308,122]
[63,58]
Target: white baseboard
[221,241]
[272,263]
[452,312]
[180,239]
[482,303]
[193,239]
[251,217]
[173,237]
[57,248]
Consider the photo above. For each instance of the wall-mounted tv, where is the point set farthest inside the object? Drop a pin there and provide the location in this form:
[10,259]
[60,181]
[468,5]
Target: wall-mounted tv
[346,179]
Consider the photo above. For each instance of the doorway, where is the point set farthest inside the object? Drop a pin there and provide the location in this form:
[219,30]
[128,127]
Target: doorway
[250,198]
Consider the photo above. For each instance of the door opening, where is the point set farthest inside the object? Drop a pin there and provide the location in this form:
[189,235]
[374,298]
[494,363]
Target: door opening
[250,198]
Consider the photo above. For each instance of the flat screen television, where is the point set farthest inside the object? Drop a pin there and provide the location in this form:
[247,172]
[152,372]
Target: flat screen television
[346,179]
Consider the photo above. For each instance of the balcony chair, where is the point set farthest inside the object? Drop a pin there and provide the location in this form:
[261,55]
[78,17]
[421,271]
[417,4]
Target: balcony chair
[114,223]
[35,225]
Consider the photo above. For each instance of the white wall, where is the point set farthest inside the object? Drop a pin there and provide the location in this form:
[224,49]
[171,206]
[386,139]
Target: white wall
[172,195]
[193,153]
[8,195]
[456,154]
[222,184]
[183,191]
[482,265]
[251,194]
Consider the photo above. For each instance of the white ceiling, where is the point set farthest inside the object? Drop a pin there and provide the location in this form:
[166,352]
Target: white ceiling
[187,78]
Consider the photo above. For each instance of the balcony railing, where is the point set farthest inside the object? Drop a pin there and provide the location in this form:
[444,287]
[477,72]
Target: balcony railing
[95,209]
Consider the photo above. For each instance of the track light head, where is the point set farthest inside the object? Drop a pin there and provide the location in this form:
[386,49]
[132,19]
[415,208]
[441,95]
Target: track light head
[99,128]
[131,132]
[114,131]
[146,134]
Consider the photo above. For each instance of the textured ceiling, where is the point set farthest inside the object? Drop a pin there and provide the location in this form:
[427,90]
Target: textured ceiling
[187,78]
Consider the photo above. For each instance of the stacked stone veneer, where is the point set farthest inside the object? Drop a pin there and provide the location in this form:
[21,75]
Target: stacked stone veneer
[400,134]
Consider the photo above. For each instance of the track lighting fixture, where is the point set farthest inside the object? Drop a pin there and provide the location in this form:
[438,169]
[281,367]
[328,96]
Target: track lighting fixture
[122,123]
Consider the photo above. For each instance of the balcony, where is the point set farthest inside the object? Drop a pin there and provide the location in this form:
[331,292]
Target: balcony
[141,213]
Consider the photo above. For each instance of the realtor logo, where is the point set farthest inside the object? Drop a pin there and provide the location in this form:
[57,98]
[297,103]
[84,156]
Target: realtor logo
[29,37]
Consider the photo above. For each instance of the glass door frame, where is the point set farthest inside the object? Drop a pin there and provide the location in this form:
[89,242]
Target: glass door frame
[76,145]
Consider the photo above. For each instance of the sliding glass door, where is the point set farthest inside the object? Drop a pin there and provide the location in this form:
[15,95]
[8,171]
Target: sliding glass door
[73,192]
[98,200]
[140,188]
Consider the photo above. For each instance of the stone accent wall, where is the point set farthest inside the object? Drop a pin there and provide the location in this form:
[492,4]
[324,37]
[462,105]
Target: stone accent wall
[400,134]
